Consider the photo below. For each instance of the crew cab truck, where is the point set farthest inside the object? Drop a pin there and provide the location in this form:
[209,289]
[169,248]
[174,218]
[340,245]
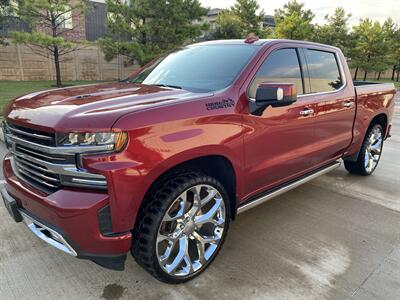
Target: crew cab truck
[158,165]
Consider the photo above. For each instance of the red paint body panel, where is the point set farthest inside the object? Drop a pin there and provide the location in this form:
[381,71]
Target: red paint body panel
[75,212]
[167,127]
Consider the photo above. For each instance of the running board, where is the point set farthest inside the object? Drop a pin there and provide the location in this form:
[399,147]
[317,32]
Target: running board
[264,198]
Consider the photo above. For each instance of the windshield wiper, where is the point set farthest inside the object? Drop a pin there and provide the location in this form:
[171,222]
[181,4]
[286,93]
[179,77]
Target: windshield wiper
[167,85]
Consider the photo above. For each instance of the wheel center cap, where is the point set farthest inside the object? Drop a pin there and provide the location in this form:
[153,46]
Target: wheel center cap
[189,227]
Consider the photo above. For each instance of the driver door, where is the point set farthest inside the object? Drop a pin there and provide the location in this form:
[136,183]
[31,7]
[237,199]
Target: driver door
[279,142]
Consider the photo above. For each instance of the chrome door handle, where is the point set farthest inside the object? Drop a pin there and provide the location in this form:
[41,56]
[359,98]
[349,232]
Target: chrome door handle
[348,104]
[306,112]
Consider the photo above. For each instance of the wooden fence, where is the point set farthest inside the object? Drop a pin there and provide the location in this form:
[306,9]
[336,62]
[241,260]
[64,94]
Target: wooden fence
[19,62]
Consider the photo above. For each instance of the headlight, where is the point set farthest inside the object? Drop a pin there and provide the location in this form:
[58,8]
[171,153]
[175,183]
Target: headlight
[115,139]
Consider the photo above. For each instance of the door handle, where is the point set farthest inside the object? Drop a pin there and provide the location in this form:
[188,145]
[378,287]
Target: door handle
[306,112]
[348,104]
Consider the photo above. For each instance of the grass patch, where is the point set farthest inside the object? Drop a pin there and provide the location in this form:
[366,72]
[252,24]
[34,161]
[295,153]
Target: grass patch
[12,89]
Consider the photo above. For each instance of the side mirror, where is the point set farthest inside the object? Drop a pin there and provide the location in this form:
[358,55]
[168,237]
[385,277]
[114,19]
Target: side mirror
[276,94]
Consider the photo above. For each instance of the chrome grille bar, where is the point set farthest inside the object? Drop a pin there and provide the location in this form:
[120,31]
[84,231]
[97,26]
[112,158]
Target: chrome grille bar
[33,135]
[62,169]
[41,155]
[37,179]
[21,160]
[38,174]
[49,167]
[61,150]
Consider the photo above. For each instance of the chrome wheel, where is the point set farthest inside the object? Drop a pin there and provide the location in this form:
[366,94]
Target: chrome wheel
[373,150]
[191,231]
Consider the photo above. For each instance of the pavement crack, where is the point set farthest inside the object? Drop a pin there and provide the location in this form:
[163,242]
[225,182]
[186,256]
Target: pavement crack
[372,273]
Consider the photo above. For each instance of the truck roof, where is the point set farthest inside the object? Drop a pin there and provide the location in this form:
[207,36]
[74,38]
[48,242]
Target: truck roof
[261,42]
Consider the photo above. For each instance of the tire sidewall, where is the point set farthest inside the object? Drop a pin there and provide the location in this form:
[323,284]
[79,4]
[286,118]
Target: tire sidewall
[361,159]
[206,180]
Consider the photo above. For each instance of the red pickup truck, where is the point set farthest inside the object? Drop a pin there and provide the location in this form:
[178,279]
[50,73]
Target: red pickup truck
[159,164]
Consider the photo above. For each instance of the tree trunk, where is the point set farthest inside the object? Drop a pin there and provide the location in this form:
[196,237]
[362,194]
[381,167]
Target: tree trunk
[365,75]
[57,66]
[56,52]
[144,35]
[393,71]
[379,75]
[398,75]
[365,71]
[355,74]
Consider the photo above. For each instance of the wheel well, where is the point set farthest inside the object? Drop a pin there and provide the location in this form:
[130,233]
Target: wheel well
[215,166]
[379,119]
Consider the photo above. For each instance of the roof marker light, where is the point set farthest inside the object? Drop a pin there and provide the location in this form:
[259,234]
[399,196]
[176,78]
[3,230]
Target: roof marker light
[251,38]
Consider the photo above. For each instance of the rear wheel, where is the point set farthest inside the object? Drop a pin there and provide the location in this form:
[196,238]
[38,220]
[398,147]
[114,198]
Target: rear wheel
[370,153]
[182,227]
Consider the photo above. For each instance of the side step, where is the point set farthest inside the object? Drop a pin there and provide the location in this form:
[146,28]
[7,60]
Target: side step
[287,187]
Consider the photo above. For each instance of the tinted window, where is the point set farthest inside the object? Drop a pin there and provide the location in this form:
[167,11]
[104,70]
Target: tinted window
[199,68]
[324,71]
[280,66]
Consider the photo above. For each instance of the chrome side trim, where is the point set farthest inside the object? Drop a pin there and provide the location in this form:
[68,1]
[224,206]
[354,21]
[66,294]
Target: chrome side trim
[275,193]
[52,237]
[60,150]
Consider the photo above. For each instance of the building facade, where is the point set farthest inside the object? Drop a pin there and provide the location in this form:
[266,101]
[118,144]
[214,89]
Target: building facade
[89,27]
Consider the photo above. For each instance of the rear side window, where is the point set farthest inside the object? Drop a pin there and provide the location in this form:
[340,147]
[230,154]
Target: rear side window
[324,71]
[280,66]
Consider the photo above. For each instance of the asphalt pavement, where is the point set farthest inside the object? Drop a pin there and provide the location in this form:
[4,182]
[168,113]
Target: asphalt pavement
[336,237]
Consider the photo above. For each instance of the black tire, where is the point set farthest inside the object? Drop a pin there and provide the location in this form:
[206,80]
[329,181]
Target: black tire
[359,167]
[155,207]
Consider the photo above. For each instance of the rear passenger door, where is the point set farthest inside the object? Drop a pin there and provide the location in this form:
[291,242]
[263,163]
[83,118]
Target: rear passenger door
[335,105]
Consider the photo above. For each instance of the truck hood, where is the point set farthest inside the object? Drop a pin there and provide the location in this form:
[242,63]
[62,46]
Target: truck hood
[88,107]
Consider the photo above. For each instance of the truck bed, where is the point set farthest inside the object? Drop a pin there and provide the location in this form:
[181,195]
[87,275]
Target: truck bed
[369,87]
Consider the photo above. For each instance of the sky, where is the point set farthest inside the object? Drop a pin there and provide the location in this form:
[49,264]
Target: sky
[374,9]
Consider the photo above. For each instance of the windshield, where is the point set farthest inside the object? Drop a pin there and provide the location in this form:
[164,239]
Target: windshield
[202,68]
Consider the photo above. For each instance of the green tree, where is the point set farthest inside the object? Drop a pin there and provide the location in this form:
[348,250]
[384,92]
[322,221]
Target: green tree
[242,18]
[391,32]
[229,26]
[371,48]
[294,21]
[5,9]
[250,15]
[336,30]
[51,17]
[142,29]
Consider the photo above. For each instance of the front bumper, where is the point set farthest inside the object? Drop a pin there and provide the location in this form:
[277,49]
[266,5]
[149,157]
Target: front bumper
[66,219]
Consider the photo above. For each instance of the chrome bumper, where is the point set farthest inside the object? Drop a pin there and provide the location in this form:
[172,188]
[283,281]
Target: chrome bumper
[50,236]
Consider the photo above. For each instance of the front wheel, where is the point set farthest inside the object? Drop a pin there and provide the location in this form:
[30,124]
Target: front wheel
[182,227]
[370,153]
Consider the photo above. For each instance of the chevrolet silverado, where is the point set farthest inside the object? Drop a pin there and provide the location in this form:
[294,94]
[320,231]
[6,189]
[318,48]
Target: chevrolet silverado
[160,164]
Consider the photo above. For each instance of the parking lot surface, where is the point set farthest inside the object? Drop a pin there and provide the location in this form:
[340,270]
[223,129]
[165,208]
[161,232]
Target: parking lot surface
[337,237]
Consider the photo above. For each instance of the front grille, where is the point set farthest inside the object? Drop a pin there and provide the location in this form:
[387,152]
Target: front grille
[32,170]
[51,158]
[45,166]
[28,134]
